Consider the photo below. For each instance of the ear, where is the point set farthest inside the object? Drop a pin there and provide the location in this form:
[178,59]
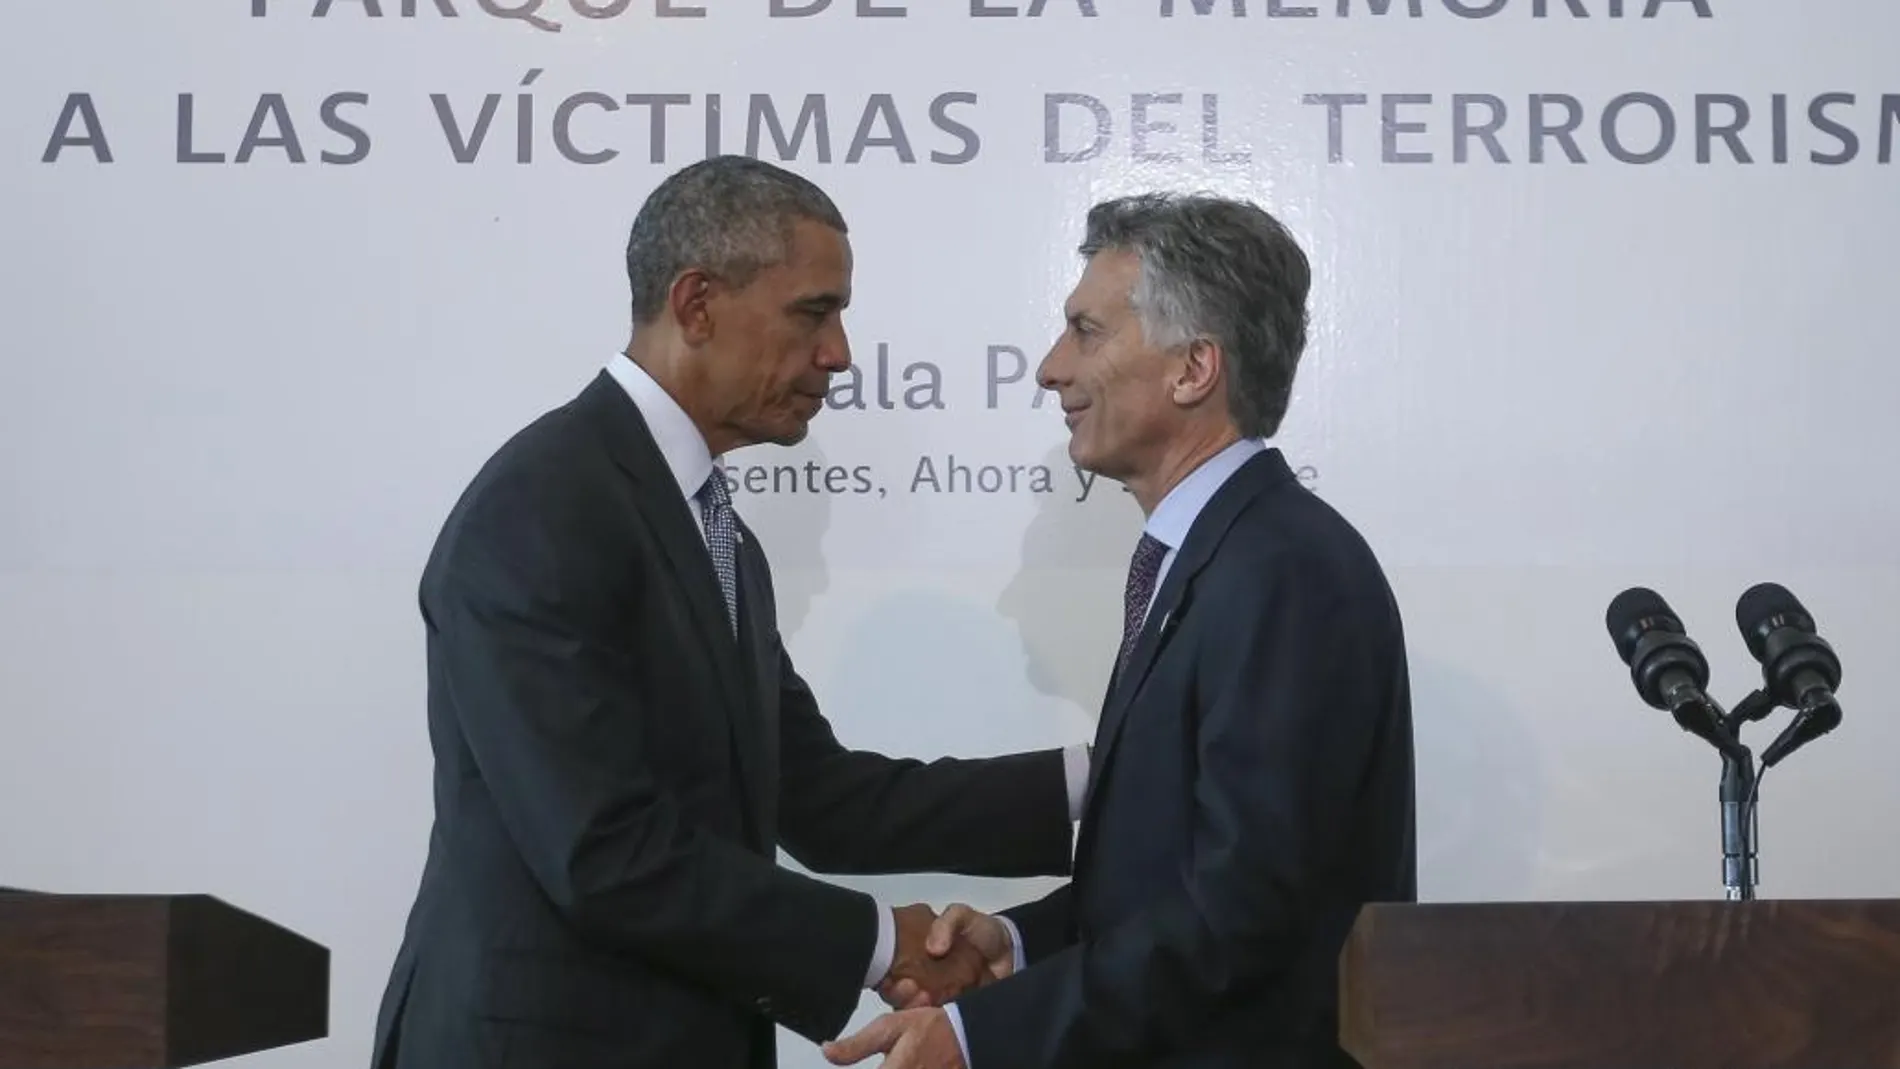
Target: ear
[688,300]
[1198,374]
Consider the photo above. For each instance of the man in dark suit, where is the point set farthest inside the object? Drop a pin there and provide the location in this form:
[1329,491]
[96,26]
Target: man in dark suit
[621,740]
[1252,783]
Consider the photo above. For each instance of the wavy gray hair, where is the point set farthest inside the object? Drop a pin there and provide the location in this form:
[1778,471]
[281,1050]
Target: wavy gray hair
[1223,270]
[730,216]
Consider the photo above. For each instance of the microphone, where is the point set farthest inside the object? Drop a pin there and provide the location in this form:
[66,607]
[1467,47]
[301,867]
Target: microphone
[1666,666]
[1799,669]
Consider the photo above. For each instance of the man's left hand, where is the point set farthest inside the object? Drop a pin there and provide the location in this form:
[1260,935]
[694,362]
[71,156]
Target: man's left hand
[908,1039]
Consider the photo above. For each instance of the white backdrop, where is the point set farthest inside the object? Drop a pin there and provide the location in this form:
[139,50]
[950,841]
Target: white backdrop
[241,386]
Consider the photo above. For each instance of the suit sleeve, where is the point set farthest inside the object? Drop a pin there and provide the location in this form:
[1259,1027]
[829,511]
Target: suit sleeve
[532,648]
[1046,925]
[850,811]
[1295,682]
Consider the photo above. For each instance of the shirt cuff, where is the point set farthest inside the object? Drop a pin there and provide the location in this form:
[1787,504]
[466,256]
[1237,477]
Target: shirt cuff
[1018,962]
[1075,766]
[956,1025]
[886,947]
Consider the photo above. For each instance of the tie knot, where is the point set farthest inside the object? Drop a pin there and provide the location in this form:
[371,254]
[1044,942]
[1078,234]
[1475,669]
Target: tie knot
[713,492]
[1142,572]
[1148,554]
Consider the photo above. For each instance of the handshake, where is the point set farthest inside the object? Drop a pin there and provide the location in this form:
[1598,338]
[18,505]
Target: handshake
[937,958]
[940,956]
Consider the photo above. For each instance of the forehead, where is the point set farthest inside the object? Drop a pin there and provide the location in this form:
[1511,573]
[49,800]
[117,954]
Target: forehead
[817,256]
[1107,285]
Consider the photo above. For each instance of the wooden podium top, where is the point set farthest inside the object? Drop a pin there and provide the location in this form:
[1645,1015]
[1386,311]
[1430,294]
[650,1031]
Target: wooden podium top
[1624,985]
[150,981]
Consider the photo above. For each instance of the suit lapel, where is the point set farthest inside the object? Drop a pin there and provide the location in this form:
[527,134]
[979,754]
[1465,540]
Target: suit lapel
[1165,616]
[666,514]
[1173,601]
[755,730]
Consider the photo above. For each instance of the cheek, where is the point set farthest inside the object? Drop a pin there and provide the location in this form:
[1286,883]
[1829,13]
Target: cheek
[770,361]
[1110,393]
[798,356]
[793,365]
[774,377]
[1127,408]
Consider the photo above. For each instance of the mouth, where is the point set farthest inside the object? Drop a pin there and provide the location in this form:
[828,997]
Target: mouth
[1072,416]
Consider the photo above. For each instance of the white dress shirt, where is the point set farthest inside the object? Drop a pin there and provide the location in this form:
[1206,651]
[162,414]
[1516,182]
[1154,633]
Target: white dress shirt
[1177,512]
[1168,524]
[683,447]
[690,460]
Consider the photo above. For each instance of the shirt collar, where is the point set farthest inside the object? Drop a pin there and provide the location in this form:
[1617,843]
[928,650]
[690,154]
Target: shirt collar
[681,444]
[1178,510]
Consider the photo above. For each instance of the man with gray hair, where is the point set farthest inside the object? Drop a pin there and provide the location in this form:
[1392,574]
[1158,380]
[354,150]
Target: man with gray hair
[1252,780]
[621,741]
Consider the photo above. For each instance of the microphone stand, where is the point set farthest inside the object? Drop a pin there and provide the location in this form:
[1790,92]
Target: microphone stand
[1740,782]
[1738,828]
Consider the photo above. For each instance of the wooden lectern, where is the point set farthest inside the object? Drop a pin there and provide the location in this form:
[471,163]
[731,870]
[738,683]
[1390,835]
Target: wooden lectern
[150,981]
[1624,985]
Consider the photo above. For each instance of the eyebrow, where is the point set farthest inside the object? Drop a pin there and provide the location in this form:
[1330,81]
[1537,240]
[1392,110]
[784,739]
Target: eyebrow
[822,302]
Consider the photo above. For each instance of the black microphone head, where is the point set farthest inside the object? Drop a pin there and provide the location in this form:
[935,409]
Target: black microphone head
[1666,666]
[1795,661]
[1634,613]
[1649,637]
[1764,608]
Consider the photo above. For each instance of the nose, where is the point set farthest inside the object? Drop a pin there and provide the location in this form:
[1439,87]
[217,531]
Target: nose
[834,350]
[1049,373]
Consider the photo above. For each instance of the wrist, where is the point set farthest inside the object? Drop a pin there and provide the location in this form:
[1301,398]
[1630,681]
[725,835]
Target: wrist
[1013,958]
[883,946]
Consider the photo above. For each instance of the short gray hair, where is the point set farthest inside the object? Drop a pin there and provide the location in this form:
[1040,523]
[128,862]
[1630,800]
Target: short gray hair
[1221,269]
[730,216]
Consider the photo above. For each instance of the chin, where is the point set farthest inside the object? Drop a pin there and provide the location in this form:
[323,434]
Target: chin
[791,435]
[1095,463]
[1079,453]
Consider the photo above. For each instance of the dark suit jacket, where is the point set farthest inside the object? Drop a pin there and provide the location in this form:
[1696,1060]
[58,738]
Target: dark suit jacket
[1252,785]
[613,773]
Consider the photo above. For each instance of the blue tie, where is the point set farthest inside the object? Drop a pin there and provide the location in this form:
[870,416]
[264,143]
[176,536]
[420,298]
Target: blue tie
[722,539]
[1142,569]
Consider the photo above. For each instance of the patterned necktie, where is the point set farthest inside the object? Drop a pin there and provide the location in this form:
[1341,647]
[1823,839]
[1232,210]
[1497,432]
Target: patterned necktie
[1142,569]
[722,539]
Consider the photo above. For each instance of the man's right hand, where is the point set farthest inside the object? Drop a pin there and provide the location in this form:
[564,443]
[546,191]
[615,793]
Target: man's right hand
[950,942]
[930,966]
